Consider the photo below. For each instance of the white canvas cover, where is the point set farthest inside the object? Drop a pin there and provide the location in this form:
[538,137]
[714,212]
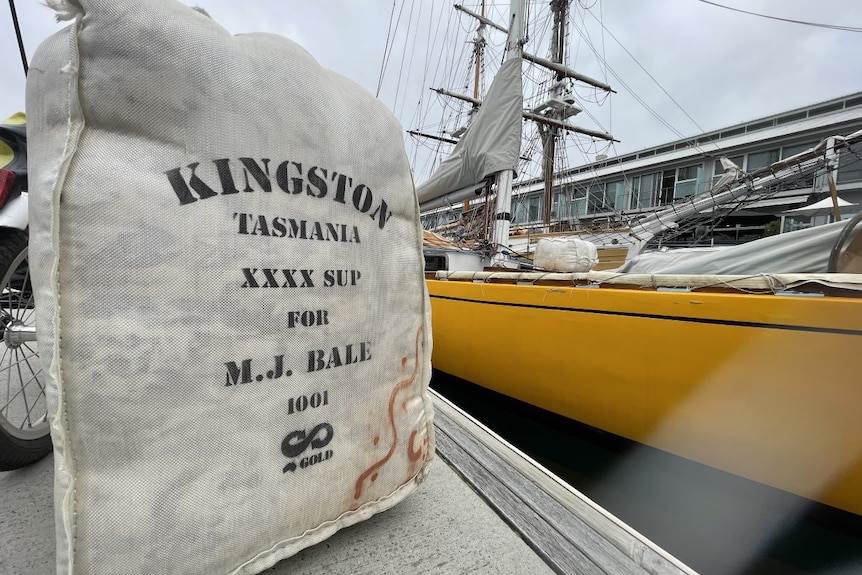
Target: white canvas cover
[231,305]
[491,144]
[825,205]
[565,255]
[801,251]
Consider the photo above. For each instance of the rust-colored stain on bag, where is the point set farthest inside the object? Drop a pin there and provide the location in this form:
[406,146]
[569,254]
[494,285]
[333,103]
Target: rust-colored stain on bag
[412,454]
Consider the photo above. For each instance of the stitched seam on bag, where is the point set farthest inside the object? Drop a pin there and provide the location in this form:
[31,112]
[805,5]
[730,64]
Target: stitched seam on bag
[73,134]
[428,347]
[398,494]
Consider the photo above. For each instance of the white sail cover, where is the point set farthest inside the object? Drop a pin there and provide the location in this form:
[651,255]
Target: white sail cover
[226,255]
[802,251]
[491,144]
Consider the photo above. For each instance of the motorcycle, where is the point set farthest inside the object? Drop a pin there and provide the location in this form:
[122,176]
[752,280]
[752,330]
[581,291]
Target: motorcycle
[24,428]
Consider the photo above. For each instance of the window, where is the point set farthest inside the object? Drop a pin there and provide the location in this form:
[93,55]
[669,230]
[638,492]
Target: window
[528,209]
[787,151]
[825,109]
[819,179]
[690,172]
[598,201]
[762,159]
[850,165]
[733,132]
[848,212]
[760,126]
[534,208]
[435,263]
[668,187]
[688,180]
[560,206]
[792,118]
[615,192]
[796,222]
[802,181]
[644,191]
[519,211]
[579,202]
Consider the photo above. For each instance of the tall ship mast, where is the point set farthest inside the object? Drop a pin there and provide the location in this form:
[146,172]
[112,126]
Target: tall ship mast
[693,354]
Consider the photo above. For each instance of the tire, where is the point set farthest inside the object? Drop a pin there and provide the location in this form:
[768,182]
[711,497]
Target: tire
[24,429]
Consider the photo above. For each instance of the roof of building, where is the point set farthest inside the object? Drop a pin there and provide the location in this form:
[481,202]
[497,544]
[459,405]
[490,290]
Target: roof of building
[836,112]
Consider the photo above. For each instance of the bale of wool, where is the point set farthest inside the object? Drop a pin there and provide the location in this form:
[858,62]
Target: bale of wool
[231,306]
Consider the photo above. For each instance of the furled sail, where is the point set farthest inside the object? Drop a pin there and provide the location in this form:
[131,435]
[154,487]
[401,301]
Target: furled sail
[491,144]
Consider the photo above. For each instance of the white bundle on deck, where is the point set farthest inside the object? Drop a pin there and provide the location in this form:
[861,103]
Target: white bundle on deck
[231,306]
[565,255]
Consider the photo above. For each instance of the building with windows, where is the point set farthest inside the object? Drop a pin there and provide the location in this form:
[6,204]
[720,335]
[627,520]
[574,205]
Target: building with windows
[611,192]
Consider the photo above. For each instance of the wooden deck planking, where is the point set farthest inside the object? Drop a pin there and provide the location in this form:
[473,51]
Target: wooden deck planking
[569,531]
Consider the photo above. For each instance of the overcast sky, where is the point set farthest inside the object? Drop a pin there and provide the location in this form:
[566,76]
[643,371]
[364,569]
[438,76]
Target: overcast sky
[722,67]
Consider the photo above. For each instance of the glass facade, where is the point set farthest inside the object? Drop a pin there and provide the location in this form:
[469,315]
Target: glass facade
[762,159]
[579,202]
[560,206]
[850,165]
[645,190]
[689,181]
[615,192]
[610,192]
[527,209]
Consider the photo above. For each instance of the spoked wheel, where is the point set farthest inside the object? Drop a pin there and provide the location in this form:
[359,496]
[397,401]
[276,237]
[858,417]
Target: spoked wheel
[24,433]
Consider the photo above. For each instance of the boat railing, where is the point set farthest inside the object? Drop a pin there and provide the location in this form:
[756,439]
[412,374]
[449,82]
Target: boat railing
[833,284]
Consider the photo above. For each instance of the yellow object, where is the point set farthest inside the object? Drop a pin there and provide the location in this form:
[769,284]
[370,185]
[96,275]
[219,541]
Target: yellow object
[16,119]
[6,153]
[767,387]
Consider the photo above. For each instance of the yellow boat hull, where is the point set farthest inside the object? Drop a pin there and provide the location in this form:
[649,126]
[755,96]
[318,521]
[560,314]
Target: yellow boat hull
[767,387]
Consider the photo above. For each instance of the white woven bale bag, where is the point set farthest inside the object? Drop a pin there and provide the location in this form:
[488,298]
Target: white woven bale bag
[231,306]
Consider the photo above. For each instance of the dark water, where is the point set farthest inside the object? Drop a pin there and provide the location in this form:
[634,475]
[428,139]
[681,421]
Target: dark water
[716,523]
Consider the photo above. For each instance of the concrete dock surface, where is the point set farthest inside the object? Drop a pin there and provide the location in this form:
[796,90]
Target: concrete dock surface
[484,509]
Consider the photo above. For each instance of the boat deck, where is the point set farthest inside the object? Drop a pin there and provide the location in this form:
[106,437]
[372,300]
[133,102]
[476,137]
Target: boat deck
[485,508]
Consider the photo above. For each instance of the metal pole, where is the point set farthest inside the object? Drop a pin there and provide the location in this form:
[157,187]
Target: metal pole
[831,174]
[550,133]
[18,35]
[502,210]
[477,49]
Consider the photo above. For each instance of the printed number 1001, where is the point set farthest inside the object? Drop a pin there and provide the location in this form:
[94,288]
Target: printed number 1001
[303,402]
